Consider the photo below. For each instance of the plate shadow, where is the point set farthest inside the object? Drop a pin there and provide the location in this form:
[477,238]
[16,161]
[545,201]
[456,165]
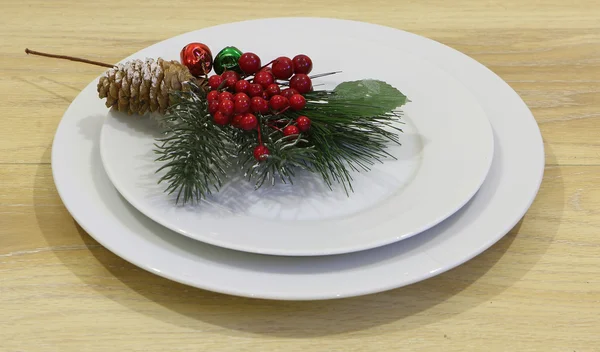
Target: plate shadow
[191,308]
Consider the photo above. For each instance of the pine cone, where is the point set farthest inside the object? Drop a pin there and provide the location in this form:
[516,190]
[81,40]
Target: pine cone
[137,87]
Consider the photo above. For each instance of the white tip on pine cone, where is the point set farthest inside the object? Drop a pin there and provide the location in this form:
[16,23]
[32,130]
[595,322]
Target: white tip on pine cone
[155,68]
[147,70]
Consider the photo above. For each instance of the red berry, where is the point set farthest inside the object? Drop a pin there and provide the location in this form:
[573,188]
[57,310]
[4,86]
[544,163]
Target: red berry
[242,86]
[290,130]
[220,118]
[212,95]
[236,120]
[302,83]
[249,63]
[283,67]
[289,92]
[225,96]
[266,69]
[302,64]
[273,89]
[264,78]
[297,102]
[261,152]
[248,122]
[230,83]
[214,82]
[265,96]
[303,123]
[279,102]
[241,103]
[228,74]
[213,106]
[259,105]
[230,78]
[255,90]
[226,107]
[241,96]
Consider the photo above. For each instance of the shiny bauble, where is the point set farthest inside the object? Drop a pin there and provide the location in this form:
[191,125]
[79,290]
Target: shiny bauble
[197,58]
[227,60]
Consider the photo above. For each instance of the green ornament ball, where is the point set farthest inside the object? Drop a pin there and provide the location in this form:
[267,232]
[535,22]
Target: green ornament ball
[227,60]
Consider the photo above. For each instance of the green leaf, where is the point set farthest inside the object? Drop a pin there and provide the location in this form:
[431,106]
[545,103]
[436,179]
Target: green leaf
[368,97]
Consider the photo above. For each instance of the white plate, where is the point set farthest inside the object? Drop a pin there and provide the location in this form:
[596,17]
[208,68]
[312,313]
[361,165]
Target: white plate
[507,193]
[446,154]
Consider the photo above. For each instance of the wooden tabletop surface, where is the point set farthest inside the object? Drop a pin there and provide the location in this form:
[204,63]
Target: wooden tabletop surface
[538,289]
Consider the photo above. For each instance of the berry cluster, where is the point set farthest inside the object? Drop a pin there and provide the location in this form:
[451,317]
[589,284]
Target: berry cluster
[261,90]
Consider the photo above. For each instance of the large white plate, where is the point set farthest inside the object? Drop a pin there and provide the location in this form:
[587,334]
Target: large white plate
[507,193]
[446,154]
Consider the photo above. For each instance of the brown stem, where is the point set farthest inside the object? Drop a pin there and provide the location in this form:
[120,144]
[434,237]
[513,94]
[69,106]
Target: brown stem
[260,142]
[275,127]
[72,58]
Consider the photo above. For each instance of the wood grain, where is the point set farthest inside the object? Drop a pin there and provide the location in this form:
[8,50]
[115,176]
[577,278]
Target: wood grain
[538,289]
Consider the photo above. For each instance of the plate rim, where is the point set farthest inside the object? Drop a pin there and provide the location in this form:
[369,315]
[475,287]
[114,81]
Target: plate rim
[498,234]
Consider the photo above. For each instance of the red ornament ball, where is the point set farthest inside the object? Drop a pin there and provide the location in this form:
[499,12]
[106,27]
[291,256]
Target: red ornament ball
[255,90]
[236,120]
[241,103]
[220,118]
[213,106]
[258,105]
[283,67]
[303,123]
[242,86]
[291,130]
[289,92]
[212,95]
[279,102]
[249,63]
[214,82]
[297,102]
[248,122]
[225,96]
[302,64]
[273,89]
[197,58]
[301,82]
[261,153]
[264,78]
[226,107]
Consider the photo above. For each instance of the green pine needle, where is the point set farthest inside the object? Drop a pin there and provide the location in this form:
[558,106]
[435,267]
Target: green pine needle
[196,152]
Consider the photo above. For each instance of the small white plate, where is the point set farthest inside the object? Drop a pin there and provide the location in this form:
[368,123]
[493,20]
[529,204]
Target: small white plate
[507,193]
[446,154]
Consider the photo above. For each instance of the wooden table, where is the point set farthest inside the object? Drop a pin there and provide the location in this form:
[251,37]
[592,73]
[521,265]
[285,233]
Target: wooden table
[538,289]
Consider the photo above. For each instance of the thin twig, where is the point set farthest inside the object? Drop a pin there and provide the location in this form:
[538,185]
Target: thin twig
[72,58]
[324,74]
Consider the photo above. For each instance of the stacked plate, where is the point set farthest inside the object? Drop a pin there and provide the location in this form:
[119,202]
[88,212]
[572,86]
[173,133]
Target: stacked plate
[470,165]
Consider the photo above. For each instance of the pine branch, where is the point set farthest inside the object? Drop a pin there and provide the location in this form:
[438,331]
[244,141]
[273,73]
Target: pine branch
[343,140]
[348,134]
[286,154]
[195,151]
